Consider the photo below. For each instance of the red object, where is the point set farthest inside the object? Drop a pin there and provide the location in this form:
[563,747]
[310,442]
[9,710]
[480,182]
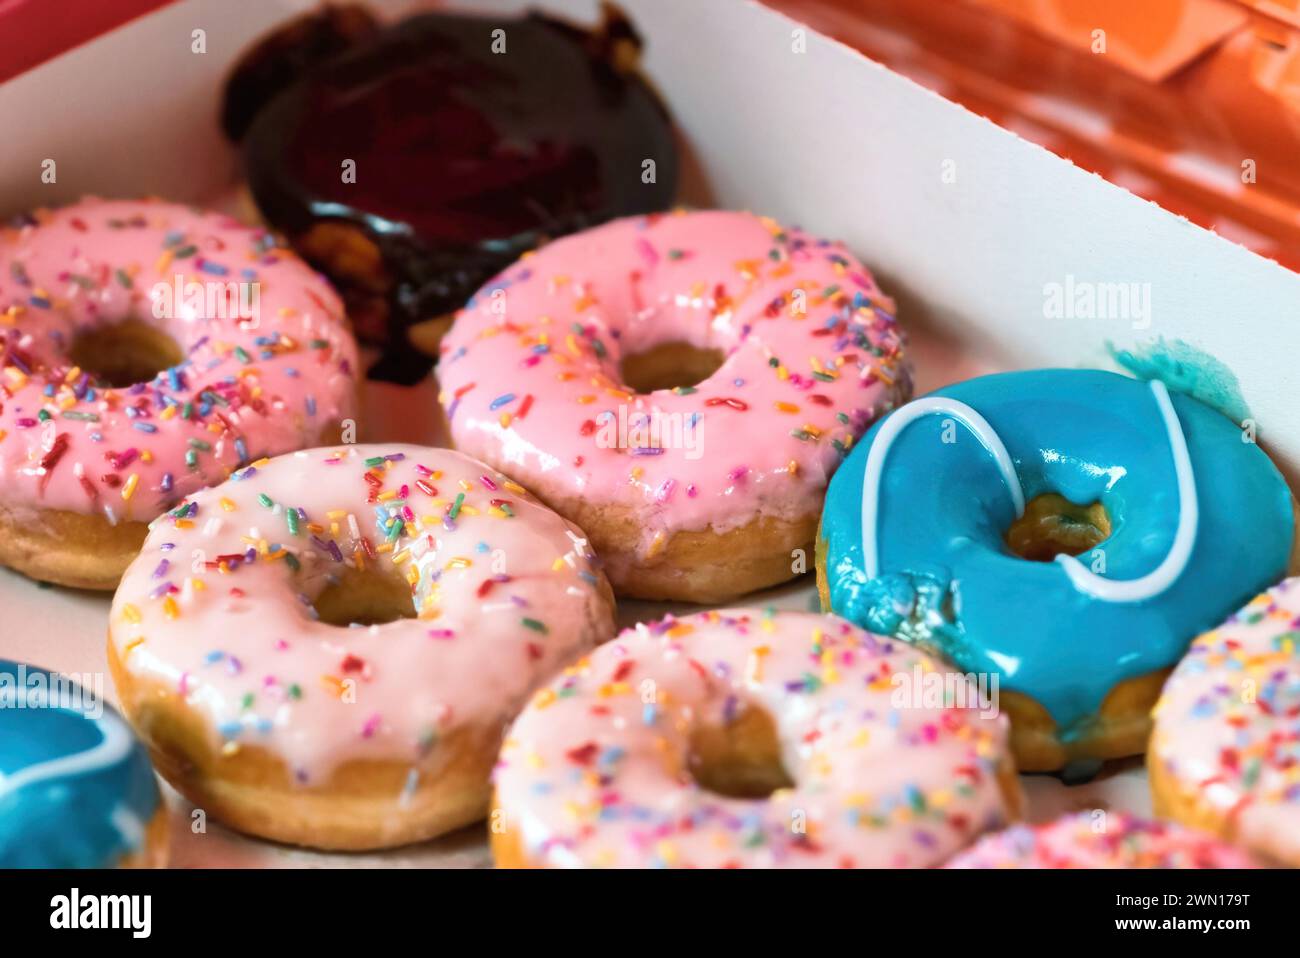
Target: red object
[33,31]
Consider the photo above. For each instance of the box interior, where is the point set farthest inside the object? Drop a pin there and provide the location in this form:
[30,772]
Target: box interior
[965,223]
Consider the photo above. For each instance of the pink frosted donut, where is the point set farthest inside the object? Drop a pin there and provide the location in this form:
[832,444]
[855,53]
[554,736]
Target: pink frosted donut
[657,749]
[682,386]
[327,648]
[147,350]
[1225,751]
[1101,840]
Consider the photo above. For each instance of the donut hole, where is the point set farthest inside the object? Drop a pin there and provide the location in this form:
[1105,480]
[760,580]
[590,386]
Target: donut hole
[124,353]
[364,597]
[740,758]
[669,366]
[1053,525]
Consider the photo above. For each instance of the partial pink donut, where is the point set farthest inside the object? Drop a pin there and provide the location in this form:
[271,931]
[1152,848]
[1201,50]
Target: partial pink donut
[1101,840]
[246,387]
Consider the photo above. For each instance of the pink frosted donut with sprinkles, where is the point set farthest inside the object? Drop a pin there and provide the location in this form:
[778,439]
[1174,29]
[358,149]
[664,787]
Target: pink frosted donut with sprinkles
[682,386]
[147,350]
[326,649]
[757,739]
[1099,839]
[1225,751]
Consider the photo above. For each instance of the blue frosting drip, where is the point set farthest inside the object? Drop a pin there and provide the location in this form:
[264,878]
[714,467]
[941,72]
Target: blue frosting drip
[83,817]
[948,580]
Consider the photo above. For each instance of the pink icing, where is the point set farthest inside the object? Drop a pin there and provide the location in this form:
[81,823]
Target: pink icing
[593,771]
[530,372]
[217,606]
[243,390]
[1227,726]
[1101,840]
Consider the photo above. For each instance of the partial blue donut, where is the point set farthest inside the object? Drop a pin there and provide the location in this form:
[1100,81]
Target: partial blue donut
[945,577]
[76,786]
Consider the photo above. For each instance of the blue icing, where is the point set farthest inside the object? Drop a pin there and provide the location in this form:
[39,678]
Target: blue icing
[76,787]
[1185,369]
[948,580]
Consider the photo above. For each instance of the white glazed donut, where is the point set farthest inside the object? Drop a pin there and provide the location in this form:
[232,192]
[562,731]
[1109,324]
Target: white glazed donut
[1098,839]
[1225,753]
[287,726]
[651,752]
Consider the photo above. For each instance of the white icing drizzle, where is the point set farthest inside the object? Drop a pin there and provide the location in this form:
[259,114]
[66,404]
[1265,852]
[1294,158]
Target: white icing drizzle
[889,431]
[1165,574]
[113,747]
[128,825]
[1081,577]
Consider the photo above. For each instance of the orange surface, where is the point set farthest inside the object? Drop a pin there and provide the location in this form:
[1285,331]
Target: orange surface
[1150,39]
[1193,104]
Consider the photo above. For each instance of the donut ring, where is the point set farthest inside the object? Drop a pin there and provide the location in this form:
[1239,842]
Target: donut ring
[1101,840]
[931,526]
[286,726]
[247,354]
[695,493]
[597,771]
[466,158]
[76,787]
[1223,753]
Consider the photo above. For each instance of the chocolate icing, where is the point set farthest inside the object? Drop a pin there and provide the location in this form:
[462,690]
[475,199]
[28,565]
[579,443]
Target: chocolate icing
[465,157]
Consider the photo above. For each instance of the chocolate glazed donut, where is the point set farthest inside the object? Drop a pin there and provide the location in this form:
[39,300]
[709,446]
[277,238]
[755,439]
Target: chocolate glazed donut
[474,139]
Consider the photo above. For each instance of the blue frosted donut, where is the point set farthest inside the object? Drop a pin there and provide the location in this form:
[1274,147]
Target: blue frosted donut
[76,786]
[1182,520]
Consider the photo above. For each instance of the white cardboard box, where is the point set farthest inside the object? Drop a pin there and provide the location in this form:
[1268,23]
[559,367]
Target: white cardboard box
[964,222]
